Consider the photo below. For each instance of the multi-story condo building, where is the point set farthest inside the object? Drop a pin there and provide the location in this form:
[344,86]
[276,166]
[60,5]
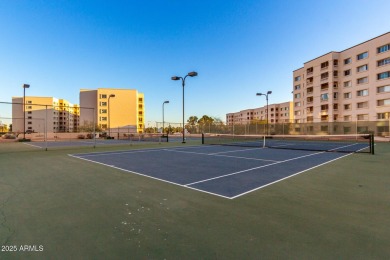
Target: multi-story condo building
[346,86]
[58,115]
[278,113]
[112,108]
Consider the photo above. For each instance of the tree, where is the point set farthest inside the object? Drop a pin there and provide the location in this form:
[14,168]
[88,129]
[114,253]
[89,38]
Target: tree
[192,120]
[88,127]
[205,120]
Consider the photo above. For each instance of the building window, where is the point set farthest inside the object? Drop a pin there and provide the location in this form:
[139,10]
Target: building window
[383,48]
[103,118]
[383,89]
[324,108]
[298,95]
[103,104]
[297,104]
[362,105]
[309,70]
[324,118]
[29,112]
[140,106]
[103,95]
[347,61]
[298,78]
[297,87]
[362,93]
[324,97]
[335,73]
[347,72]
[324,75]
[324,65]
[324,86]
[361,56]
[382,115]
[347,84]
[362,80]
[383,62]
[362,68]
[335,95]
[383,75]
[347,118]
[383,102]
[347,95]
[103,111]
[362,117]
[140,99]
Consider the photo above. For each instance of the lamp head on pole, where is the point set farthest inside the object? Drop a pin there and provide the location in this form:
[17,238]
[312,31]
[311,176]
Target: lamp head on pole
[112,95]
[259,94]
[26,85]
[166,102]
[175,78]
[192,74]
[269,92]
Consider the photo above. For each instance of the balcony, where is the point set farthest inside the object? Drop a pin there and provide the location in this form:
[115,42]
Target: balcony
[324,79]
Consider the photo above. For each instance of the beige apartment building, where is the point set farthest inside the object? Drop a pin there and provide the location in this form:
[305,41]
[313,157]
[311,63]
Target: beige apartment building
[278,113]
[113,108]
[58,115]
[348,86]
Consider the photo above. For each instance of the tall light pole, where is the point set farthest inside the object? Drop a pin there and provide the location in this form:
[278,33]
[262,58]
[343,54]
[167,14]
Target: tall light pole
[266,97]
[165,102]
[109,117]
[183,80]
[24,109]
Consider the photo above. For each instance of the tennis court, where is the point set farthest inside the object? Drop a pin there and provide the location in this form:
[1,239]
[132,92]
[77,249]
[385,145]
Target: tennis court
[225,171]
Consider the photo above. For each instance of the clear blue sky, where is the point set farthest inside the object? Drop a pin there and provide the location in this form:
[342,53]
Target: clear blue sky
[238,47]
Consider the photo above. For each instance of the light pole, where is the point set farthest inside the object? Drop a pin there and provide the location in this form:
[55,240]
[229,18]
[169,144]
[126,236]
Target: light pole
[183,80]
[165,102]
[266,97]
[24,109]
[109,118]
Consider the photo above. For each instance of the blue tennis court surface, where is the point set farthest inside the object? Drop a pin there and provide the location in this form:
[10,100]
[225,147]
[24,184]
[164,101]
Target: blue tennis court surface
[224,171]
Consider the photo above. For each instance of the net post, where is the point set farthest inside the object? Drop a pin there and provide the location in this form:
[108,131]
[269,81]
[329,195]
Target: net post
[202,138]
[94,128]
[45,135]
[372,143]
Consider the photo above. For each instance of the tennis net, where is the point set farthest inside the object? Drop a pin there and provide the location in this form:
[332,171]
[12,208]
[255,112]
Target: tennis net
[363,143]
[147,138]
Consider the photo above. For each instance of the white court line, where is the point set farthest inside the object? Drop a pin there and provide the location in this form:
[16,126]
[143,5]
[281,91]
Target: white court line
[242,150]
[221,155]
[33,145]
[127,151]
[263,166]
[148,176]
